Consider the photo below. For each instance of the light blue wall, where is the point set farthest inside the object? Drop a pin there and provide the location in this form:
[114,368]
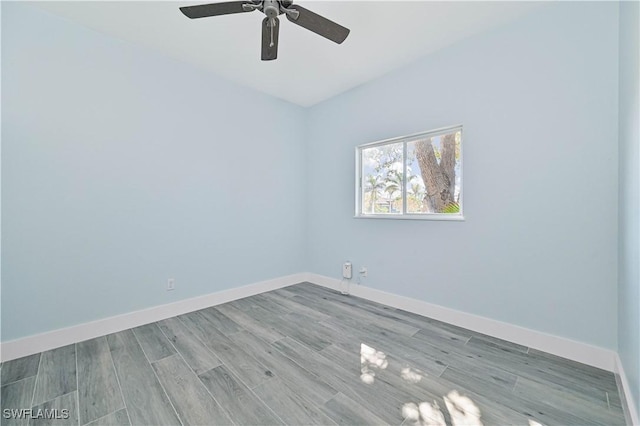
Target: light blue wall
[538,101]
[122,168]
[629,243]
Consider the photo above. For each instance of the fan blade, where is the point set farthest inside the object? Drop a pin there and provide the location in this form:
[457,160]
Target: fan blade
[214,9]
[319,25]
[270,39]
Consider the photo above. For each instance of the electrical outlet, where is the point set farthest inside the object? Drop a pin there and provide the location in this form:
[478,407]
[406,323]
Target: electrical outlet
[171,284]
[364,272]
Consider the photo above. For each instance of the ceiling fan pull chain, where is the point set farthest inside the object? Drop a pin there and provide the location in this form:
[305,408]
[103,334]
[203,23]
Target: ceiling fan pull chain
[272,23]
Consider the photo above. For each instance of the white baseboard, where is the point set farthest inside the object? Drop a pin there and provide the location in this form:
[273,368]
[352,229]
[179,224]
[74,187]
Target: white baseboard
[566,348]
[581,352]
[65,336]
[631,410]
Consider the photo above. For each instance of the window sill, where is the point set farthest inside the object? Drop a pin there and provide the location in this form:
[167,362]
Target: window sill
[443,217]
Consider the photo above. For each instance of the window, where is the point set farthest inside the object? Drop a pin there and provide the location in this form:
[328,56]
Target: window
[411,177]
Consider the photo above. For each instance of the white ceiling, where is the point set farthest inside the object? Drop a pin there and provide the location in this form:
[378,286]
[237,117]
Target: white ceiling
[385,35]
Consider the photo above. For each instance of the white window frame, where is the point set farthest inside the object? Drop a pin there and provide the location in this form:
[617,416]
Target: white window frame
[411,216]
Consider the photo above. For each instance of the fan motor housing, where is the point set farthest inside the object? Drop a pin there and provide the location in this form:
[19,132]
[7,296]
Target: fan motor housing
[271,8]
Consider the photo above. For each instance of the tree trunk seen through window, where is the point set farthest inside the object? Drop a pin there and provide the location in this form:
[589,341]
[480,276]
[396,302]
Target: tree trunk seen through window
[439,177]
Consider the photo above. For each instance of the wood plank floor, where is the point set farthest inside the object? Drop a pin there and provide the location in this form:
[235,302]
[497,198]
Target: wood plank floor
[306,355]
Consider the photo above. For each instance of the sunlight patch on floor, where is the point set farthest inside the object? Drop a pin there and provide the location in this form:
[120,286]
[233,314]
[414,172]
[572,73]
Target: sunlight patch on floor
[462,409]
[411,375]
[371,360]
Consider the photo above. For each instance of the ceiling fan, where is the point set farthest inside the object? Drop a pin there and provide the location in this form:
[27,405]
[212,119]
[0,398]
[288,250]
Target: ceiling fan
[271,24]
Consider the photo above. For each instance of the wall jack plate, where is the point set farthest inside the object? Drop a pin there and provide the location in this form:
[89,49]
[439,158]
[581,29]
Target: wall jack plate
[347,270]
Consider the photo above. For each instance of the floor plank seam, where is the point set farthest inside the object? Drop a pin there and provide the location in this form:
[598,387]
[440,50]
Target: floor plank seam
[197,338]
[75,350]
[35,384]
[263,402]
[294,361]
[229,414]
[231,369]
[98,419]
[115,372]
[16,381]
[442,372]
[158,378]
[203,385]
[515,383]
